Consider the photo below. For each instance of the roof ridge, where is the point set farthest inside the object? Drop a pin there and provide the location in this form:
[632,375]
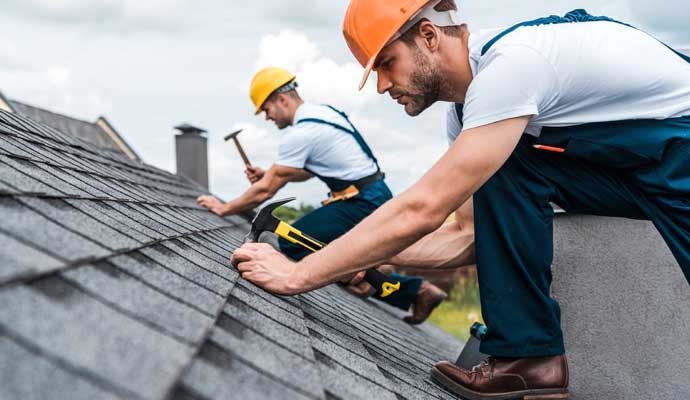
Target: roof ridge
[55,113]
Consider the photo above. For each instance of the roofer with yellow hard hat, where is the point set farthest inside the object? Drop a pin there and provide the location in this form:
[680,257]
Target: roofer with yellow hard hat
[320,141]
[582,111]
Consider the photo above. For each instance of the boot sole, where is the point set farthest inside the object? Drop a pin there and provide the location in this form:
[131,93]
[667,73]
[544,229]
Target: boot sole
[433,307]
[532,394]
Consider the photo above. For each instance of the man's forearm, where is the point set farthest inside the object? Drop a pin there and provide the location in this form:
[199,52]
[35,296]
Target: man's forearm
[249,200]
[402,221]
[447,247]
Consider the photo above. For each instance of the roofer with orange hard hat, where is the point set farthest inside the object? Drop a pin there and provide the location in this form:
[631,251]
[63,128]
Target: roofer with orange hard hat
[320,141]
[582,111]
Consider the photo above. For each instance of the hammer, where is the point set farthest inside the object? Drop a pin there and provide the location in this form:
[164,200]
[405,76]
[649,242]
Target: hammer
[265,221]
[233,136]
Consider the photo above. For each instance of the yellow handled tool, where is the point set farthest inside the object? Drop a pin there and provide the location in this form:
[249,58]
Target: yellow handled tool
[265,221]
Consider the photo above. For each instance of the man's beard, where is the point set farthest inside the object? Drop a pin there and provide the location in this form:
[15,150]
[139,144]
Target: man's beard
[425,85]
[282,121]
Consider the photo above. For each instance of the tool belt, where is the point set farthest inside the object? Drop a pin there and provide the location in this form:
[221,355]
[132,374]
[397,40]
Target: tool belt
[354,189]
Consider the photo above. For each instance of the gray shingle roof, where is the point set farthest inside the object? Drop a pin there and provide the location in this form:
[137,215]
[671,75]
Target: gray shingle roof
[116,284]
[90,132]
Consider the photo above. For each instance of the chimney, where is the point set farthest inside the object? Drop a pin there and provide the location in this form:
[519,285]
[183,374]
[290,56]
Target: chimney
[192,153]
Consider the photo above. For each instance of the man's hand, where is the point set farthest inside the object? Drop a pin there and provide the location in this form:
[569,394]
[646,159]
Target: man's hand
[362,289]
[359,287]
[254,174]
[213,204]
[262,265]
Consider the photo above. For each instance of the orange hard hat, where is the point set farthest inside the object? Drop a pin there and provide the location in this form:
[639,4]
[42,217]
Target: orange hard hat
[370,24]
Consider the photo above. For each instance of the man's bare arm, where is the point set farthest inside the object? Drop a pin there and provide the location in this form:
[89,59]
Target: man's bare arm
[469,163]
[273,180]
[450,246]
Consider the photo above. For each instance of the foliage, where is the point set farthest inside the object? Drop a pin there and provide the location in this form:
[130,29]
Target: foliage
[290,214]
[462,309]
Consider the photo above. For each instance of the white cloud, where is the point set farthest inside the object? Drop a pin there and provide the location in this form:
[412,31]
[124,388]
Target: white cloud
[107,15]
[321,78]
[288,49]
[181,60]
[671,20]
[57,75]
[321,12]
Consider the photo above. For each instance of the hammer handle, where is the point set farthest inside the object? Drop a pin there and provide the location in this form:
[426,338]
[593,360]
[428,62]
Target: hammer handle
[383,283]
[241,150]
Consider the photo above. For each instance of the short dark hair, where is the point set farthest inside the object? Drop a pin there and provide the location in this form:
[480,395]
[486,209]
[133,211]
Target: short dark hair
[444,5]
[291,94]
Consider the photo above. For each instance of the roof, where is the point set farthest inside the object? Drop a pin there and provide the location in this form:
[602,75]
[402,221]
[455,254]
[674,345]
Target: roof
[99,133]
[116,284]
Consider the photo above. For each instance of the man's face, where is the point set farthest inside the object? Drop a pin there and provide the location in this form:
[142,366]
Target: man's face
[409,76]
[276,111]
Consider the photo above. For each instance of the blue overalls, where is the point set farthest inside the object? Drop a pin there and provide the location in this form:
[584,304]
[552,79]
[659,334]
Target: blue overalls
[636,169]
[331,221]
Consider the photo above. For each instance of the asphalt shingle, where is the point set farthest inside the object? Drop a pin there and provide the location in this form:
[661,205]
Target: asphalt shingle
[69,184]
[216,374]
[71,326]
[283,335]
[66,215]
[131,211]
[22,260]
[20,221]
[26,177]
[348,384]
[219,284]
[268,356]
[112,219]
[36,378]
[168,281]
[136,298]
[123,216]
[199,258]
[116,284]
[293,320]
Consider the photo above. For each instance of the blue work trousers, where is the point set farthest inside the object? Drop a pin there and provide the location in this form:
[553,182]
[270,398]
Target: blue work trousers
[635,169]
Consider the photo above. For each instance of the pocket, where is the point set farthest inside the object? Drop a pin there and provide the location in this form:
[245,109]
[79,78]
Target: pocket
[606,154]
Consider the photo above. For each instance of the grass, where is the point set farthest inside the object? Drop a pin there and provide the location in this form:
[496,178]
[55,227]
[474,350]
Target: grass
[462,308]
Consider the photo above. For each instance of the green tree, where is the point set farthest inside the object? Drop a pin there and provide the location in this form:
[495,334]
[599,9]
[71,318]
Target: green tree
[290,214]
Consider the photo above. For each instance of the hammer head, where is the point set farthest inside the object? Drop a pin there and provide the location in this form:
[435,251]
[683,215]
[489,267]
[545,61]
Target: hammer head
[265,220]
[232,135]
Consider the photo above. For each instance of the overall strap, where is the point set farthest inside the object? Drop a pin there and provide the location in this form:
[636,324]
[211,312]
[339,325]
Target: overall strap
[574,16]
[459,107]
[354,132]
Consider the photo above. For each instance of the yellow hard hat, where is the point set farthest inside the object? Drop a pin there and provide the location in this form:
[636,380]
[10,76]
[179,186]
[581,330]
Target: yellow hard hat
[267,81]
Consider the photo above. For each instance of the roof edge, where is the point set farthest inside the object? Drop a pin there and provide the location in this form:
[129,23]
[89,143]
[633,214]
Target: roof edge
[56,113]
[5,104]
[108,128]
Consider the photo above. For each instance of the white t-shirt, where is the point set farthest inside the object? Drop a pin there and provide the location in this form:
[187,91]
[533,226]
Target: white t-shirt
[453,124]
[574,73]
[323,149]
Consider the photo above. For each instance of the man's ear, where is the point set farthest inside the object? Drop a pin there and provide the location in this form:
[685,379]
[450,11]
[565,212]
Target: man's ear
[282,99]
[430,35]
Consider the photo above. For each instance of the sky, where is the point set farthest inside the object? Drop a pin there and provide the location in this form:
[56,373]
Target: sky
[148,65]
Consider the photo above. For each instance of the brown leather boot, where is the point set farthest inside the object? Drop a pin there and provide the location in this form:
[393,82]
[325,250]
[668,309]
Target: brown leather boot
[544,378]
[428,297]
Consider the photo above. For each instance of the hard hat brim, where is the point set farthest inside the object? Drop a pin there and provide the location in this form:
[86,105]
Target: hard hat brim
[367,71]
